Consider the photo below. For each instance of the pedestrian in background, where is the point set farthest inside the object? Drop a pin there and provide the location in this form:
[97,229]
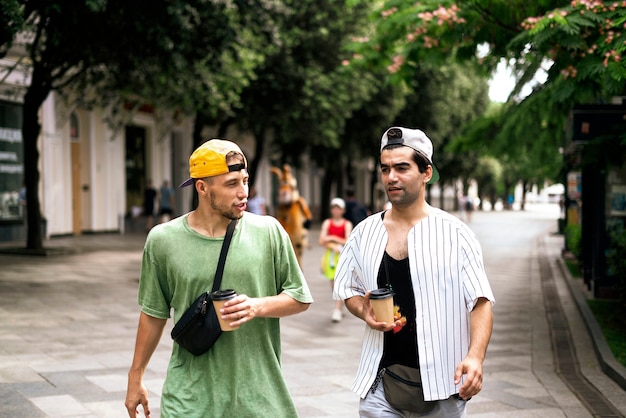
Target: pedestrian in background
[166,202]
[355,210]
[149,197]
[333,234]
[433,264]
[241,373]
[256,202]
[469,207]
[461,203]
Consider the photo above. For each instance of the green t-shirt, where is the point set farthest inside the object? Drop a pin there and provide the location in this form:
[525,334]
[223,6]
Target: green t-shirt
[241,374]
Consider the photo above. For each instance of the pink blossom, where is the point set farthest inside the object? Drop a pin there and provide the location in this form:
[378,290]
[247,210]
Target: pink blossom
[387,13]
[430,42]
[398,61]
[569,72]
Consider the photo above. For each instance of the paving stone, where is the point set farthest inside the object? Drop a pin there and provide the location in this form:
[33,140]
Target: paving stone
[69,322]
[60,406]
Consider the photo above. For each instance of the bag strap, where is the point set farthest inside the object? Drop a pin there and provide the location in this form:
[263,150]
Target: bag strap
[217,281]
[386,267]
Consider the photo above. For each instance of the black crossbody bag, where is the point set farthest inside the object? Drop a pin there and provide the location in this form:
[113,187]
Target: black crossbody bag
[198,329]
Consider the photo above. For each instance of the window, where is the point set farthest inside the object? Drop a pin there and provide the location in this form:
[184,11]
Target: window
[12,191]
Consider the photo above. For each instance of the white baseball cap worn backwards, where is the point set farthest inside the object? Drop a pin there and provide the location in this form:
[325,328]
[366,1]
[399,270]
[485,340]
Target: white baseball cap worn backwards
[413,138]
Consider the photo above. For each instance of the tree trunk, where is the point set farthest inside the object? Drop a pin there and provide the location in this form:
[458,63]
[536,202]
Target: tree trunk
[525,187]
[198,125]
[442,200]
[333,176]
[373,201]
[33,99]
[259,148]
[327,184]
[509,189]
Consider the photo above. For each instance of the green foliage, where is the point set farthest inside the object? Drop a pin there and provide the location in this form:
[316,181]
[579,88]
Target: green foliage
[442,101]
[611,318]
[164,54]
[210,52]
[192,55]
[574,268]
[573,236]
[11,22]
[303,93]
[584,43]
[361,137]
[578,43]
[488,175]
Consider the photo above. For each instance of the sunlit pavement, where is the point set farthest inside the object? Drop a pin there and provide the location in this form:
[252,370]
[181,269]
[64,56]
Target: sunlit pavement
[69,320]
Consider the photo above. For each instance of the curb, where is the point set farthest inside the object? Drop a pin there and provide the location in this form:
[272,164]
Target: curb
[610,366]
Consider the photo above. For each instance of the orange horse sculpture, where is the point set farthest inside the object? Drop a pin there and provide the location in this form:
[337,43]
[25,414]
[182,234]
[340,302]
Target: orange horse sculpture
[293,212]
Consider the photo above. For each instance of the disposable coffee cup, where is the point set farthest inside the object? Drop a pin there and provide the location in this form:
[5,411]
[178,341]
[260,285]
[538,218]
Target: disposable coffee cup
[382,303]
[220,297]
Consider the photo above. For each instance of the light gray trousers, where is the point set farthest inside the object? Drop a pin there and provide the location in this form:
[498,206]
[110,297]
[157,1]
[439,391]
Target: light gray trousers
[375,405]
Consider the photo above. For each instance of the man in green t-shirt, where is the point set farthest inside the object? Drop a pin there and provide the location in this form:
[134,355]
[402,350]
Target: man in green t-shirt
[241,374]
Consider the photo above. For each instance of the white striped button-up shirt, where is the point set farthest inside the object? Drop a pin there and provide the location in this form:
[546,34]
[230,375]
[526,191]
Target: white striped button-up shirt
[448,277]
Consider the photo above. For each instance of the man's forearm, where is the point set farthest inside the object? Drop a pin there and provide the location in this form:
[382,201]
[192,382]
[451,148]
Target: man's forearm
[481,324]
[280,306]
[355,306]
[149,334]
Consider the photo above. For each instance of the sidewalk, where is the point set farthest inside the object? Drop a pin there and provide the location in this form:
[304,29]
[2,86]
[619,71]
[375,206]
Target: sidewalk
[69,321]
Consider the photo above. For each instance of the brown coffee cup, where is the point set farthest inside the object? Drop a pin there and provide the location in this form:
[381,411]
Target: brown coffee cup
[220,297]
[382,303]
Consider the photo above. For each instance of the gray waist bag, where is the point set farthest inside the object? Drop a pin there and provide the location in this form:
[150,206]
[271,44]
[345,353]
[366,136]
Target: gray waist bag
[403,389]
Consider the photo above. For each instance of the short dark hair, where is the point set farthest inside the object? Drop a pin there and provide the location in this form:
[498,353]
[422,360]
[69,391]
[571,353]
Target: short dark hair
[419,159]
[208,180]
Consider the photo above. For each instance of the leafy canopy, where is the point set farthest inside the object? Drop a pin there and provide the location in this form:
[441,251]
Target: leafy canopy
[578,43]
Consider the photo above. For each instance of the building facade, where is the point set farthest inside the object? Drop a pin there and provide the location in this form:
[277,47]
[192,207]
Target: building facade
[93,173]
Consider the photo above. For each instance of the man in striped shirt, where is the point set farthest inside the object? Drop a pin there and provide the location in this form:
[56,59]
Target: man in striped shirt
[434,264]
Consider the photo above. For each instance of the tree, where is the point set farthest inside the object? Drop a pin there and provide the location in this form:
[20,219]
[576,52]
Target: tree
[364,128]
[442,102]
[579,43]
[302,94]
[523,137]
[168,50]
[488,175]
[214,96]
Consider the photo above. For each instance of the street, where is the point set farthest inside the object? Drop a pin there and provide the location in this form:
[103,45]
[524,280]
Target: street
[69,321]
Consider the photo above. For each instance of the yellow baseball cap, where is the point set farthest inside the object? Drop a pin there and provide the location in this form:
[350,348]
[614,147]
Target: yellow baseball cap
[209,160]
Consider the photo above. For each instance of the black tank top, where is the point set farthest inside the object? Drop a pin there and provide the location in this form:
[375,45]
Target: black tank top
[400,347]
